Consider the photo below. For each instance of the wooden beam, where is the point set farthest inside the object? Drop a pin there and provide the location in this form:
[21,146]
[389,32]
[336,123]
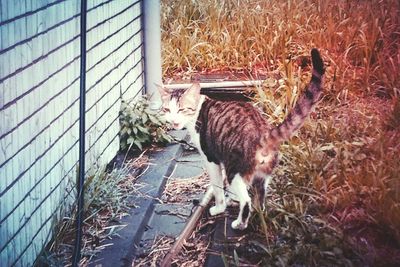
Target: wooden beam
[225,84]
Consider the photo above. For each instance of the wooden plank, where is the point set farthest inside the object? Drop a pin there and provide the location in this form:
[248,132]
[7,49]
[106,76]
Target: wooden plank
[33,112]
[224,84]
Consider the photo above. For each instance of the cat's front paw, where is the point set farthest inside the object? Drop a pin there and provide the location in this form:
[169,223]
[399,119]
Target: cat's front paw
[238,225]
[217,210]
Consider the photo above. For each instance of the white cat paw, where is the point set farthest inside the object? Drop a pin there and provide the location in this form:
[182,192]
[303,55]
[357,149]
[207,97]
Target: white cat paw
[238,225]
[217,210]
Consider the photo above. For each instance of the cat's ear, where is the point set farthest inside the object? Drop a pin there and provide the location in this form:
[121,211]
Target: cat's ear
[195,87]
[164,92]
[193,91]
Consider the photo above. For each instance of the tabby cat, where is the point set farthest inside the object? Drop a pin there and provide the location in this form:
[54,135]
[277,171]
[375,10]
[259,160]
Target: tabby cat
[238,144]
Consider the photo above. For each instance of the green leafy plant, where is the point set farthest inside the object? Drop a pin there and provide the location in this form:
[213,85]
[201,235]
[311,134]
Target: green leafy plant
[141,125]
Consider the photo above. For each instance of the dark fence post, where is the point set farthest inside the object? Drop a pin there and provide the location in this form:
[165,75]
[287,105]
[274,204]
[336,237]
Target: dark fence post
[82,109]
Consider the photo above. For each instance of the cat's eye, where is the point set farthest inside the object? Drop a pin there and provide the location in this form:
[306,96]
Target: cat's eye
[186,110]
[165,109]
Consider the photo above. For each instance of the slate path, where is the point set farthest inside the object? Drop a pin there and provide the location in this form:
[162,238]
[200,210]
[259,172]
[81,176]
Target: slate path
[151,217]
[171,214]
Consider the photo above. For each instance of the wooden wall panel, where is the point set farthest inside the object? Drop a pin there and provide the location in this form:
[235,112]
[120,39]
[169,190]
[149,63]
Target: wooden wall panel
[39,108]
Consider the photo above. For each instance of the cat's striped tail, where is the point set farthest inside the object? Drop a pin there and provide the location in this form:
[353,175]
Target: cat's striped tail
[304,104]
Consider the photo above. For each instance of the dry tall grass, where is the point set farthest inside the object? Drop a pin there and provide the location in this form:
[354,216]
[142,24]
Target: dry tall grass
[360,40]
[349,150]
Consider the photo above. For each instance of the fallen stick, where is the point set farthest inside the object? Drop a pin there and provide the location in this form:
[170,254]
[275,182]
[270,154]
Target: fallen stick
[187,231]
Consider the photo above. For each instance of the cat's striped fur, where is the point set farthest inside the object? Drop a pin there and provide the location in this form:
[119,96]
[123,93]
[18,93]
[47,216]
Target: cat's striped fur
[237,142]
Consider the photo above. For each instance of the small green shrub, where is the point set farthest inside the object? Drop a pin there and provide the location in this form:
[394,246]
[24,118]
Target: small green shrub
[141,125]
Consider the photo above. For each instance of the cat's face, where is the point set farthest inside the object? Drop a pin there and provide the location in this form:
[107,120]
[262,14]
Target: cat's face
[180,105]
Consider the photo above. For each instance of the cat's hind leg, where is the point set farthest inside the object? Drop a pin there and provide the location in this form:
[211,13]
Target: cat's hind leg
[232,198]
[260,185]
[217,184]
[240,189]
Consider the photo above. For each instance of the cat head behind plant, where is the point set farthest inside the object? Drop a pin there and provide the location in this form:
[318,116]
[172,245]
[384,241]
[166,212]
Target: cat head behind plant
[180,105]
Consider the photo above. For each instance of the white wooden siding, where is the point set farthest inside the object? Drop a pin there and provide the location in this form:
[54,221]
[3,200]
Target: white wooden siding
[39,108]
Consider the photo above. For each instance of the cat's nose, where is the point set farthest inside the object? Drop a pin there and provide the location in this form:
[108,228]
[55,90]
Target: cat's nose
[174,123]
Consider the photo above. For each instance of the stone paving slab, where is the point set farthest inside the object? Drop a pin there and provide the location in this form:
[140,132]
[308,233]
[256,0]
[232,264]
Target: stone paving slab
[153,217]
[169,219]
[119,251]
[166,220]
[185,169]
